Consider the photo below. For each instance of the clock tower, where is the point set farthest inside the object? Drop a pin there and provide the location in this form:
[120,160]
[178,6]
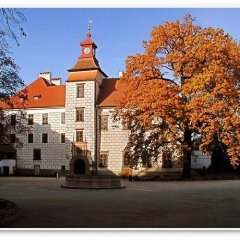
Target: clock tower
[88,47]
[87,60]
[82,88]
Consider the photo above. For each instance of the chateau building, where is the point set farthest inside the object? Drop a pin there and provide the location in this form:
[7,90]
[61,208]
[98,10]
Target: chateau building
[78,114]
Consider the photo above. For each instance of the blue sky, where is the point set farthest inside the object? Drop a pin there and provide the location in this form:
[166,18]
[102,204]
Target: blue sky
[54,34]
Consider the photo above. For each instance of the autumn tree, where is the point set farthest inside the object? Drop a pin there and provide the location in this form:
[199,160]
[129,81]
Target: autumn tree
[10,81]
[186,81]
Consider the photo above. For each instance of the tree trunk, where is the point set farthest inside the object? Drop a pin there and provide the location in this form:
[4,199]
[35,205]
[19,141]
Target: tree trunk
[187,152]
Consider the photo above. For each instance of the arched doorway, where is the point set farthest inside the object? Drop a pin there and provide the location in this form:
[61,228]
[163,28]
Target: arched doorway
[79,166]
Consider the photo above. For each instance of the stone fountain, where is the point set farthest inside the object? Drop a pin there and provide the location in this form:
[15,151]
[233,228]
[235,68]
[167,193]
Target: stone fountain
[83,176]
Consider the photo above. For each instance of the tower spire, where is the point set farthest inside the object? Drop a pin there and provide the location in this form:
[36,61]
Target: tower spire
[89,29]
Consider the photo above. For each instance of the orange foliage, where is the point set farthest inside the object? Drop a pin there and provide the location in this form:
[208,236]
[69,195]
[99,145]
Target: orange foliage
[189,77]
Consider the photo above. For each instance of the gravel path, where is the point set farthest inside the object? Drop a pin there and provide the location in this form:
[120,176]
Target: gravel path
[181,204]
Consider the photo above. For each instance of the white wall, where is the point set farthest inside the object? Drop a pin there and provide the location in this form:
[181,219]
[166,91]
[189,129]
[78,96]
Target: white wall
[89,114]
[53,153]
[198,160]
[113,141]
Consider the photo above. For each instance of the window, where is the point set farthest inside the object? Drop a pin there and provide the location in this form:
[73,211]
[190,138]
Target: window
[104,122]
[80,90]
[45,118]
[125,126]
[63,118]
[44,138]
[79,114]
[30,138]
[79,136]
[36,154]
[37,97]
[62,137]
[103,161]
[12,138]
[30,119]
[63,167]
[13,119]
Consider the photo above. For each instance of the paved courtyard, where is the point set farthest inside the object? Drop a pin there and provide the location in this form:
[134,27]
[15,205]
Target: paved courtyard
[181,204]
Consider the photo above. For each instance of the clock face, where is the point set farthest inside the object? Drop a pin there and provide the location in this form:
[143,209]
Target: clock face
[86,50]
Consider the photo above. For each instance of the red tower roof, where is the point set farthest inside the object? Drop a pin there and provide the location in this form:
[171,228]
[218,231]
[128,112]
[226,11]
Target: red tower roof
[87,60]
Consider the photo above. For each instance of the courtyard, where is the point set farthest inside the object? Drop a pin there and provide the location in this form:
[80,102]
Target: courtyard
[174,204]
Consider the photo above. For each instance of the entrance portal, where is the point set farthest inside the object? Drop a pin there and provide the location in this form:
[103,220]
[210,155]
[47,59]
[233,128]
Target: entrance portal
[79,167]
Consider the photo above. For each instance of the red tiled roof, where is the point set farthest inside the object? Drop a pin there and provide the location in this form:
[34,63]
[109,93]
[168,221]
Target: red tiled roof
[85,64]
[82,76]
[51,95]
[88,41]
[41,94]
[111,92]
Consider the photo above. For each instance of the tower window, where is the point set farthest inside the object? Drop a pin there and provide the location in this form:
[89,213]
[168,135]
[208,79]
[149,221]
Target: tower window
[45,118]
[80,90]
[30,119]
[79,114]
[44,138]
[79,136]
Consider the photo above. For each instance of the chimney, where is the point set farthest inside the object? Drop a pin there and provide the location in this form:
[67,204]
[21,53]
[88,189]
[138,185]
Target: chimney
[56,81]
[120,74]
[46,75]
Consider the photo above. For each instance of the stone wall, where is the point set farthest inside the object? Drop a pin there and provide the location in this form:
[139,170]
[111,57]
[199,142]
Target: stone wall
[53,153]
[113,141]
[88,125]
[198,160]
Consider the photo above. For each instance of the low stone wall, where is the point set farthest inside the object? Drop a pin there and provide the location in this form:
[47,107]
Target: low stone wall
[8,211]
[93,181]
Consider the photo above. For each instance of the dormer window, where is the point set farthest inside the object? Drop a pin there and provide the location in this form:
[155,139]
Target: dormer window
[37,97]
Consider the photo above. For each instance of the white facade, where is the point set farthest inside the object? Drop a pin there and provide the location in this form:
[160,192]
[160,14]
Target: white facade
[113,141]
[199,161]
[53,153]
